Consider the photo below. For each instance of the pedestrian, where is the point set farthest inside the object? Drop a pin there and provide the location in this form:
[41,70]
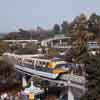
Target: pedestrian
[31,96]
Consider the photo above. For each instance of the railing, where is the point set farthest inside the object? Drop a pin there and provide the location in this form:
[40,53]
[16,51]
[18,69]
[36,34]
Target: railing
[61,46]
[74,78]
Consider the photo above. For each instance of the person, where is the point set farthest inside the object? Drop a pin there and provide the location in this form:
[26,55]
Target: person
[23,96]
[31,96]
[7,98]
[3,96]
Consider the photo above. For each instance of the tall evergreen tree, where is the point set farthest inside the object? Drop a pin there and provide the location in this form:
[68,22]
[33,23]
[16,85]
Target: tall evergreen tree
[94,23]
[56,29]
[93,79]
[81,36]
[64,27]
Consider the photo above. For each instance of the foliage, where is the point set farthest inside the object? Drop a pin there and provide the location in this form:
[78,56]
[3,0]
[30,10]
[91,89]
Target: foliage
[83,30]
[94,23]
[3,47]
[28,34]
[65,27]
[93,79]
[26,51]
[80,38]
[7,73]
[30,48]
[52,52]
[56,29]
[90,24]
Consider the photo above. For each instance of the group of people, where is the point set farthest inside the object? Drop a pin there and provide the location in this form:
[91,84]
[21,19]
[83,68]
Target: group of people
[19,96]
[7,96]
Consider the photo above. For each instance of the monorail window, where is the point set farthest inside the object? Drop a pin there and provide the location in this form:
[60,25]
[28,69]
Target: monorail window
[44,64]
[47,63]
[32,62]
[41,63]
[60,65]
[19,61]
[63,66]
[37,63]
[28,61]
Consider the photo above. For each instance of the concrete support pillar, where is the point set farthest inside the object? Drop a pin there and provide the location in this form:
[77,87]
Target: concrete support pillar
[35,64]
[60,42]
[51,43]
[24,81]
[40,50]
[23,61]
[70,94]
[31,83]
[46,44]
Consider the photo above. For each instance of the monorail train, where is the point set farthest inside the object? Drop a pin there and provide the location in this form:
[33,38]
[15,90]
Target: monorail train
[47,68]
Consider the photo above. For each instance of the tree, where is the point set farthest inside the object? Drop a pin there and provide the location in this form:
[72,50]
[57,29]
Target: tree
[7,76]
[93,79]
[52,52]
[79,24]
[29,49]
[56,29]
[94,23]
[3,47]
[80,38]
[81,35]
[64,26]
[6,70]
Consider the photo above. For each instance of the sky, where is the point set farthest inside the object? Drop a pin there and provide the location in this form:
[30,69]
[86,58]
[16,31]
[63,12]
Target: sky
[28,14]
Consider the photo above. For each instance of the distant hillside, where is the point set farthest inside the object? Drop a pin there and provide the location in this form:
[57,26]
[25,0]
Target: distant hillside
[2,35]
[28,34]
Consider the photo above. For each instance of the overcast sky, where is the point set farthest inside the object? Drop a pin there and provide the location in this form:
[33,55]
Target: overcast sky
[28,14]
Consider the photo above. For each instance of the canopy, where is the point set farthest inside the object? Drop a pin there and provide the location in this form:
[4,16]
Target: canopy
[34,90]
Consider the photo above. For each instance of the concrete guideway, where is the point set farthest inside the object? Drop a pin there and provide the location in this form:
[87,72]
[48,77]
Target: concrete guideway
[75,78]
[72,80]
